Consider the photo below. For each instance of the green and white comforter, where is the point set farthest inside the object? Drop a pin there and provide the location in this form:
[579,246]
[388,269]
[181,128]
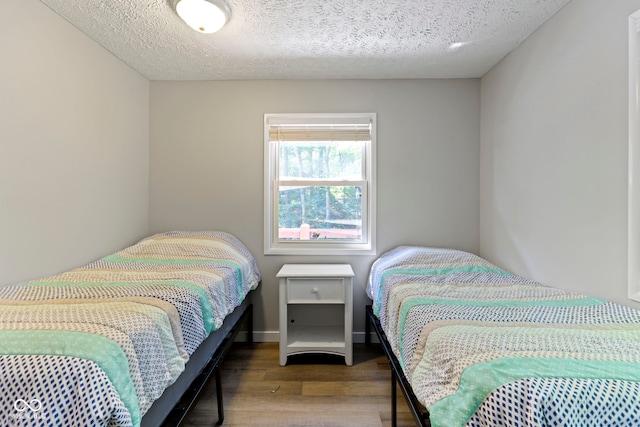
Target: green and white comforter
[483,347]
[98,344]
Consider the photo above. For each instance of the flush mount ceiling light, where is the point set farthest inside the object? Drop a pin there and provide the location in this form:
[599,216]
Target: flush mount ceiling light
[204,16]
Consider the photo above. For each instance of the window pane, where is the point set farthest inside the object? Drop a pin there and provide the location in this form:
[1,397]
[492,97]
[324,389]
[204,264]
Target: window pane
[320,212]
[321,160]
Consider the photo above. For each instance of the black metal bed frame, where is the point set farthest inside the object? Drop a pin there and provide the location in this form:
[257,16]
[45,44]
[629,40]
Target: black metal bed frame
[420,414]
[190,397]
[222,339]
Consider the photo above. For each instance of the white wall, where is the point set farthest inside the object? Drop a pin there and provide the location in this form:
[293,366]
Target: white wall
[553,160]
[206,156]
[73,146]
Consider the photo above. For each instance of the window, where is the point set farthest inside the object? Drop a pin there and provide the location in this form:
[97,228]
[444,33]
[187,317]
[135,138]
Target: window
[319,184]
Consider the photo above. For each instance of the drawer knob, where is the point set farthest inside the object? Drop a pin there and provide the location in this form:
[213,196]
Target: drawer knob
[315,290]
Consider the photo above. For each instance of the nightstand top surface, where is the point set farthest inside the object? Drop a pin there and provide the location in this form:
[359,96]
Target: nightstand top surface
[316,270]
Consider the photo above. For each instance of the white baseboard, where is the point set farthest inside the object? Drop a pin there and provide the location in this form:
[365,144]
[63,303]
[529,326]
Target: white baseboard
[274,336]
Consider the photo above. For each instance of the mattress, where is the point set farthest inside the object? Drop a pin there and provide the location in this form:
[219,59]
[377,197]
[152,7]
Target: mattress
[484,347]
[97,345]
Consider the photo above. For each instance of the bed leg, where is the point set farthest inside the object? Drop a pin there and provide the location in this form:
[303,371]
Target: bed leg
[219,395]
[250,324]
[394,400]
[367,327]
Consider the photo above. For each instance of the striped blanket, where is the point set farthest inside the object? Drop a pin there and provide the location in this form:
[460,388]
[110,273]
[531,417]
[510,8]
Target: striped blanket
[483,347]
[98,344]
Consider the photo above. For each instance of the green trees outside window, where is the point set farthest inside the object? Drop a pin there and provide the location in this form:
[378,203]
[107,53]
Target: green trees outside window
[320,188]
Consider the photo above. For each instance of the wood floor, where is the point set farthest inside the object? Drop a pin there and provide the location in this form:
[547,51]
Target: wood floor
[310,391]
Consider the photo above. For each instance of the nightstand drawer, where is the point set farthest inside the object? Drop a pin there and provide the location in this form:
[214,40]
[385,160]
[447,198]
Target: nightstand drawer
[321,290]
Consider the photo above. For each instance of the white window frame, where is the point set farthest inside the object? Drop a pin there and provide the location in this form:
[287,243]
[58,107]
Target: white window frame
[274,246]
[633,274]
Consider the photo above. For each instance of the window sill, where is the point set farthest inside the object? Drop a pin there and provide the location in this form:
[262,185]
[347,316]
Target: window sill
[356,250]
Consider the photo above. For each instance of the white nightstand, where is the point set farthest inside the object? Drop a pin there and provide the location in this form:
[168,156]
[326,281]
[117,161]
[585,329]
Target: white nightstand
[316,310]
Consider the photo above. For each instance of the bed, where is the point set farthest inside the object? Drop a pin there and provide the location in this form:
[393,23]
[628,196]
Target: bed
[124,340]
[474,345]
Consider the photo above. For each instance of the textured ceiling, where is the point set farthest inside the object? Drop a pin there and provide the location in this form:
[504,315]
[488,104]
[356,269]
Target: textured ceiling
[312,39]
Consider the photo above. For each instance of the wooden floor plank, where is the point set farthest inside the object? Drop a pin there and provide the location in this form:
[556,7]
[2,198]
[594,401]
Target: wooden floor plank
[318,391]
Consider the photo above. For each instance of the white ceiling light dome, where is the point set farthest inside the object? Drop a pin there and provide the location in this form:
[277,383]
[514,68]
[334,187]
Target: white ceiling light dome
[204,16]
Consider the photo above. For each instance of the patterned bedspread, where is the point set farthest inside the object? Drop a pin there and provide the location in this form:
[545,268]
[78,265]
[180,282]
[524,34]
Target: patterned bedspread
[484,347]
[95,346]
